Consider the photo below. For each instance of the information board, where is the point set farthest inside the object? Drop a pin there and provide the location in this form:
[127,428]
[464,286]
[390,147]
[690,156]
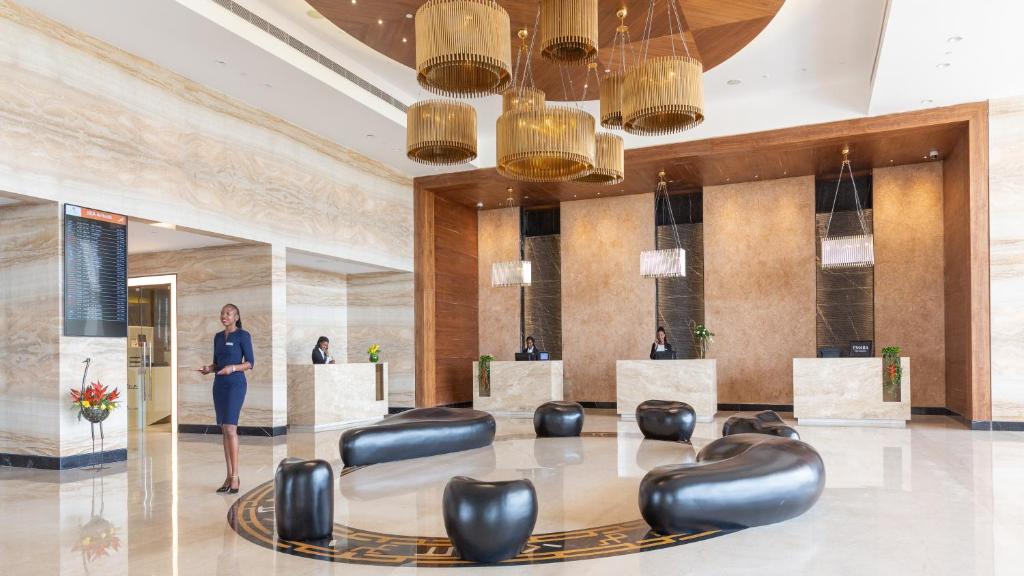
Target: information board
[95,273]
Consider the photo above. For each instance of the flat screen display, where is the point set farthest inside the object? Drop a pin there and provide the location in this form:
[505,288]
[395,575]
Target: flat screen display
[95,273]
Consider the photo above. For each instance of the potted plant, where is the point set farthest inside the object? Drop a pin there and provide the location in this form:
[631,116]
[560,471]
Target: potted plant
[892,374]
[374,351]
[485,374]
[702,337]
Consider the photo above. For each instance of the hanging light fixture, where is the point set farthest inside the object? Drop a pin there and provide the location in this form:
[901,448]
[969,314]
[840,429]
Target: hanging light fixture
[512,273]
[855,251]
[611,85]
[440,132]
[609,160]
[568,31]
[463,47]
[667,262]
[524,99]
[665,94]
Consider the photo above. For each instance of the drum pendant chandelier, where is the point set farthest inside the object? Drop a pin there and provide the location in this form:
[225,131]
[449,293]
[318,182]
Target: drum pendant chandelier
[463,47]
[568,31]
[441,132]
[554,144]
[609,161]
[611,85]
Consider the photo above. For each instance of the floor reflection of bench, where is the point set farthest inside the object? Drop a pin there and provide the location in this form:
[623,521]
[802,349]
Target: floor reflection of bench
[417,433]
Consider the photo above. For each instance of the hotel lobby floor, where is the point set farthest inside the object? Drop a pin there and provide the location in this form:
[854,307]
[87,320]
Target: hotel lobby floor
[929,499]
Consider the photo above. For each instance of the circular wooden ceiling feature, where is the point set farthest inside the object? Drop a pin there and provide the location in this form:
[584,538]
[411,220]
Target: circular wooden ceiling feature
[715,31]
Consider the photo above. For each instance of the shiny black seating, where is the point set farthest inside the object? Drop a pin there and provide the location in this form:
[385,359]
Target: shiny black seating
[417,433]
[767,422]
[304,499]
[739,481]
[558,419]
[489,521]
[666,420]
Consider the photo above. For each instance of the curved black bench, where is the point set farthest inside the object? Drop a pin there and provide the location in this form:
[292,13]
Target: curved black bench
[767,422]
[417,433]
[304,499]
[739,481]
[558,419]
[668,420]
[489,521]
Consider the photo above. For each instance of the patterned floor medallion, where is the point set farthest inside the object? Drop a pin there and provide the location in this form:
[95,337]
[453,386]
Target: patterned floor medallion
[252,516]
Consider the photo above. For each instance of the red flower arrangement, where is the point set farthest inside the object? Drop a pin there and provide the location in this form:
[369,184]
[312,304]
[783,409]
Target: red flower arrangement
[95,396]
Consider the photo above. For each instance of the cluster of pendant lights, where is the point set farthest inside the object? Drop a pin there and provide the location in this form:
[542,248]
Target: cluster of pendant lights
[463,49]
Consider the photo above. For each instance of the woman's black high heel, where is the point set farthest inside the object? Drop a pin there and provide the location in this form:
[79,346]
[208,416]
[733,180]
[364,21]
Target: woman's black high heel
[224,487]
[234,490]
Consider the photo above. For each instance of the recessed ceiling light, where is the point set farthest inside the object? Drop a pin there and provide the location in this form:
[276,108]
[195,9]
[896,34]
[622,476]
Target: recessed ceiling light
[891,161]
[404,40]
[598,193]
[380,21]
[942,65]
[756,176]
[734,82]
[527,197]
[765,76]
[785,172]
[573,195]
[353,1]
[371,135]
[408,14]
[607,70]
[926,101]
[954,39]
[479,204]
[315,15]
[221,62]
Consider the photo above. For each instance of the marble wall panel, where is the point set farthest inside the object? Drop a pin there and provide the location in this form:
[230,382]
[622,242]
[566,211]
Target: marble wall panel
[498,240]
[909,273]
[208,278]
[845,296]
[89,123]
[1006,212]
[380,310]
[317,304]
[607,307]
[542,299]
[681,300]
[30,329]
[759,285]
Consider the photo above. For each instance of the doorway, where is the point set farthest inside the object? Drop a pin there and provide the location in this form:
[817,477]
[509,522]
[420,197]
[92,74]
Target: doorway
[152,352]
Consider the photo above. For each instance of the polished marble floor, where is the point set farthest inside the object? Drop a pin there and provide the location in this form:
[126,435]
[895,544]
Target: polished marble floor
[930,499]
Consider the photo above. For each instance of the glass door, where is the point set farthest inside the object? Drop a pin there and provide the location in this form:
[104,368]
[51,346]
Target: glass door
[149,355]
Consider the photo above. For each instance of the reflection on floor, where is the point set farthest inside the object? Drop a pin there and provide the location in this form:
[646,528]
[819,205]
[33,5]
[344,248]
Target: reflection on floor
[930,499]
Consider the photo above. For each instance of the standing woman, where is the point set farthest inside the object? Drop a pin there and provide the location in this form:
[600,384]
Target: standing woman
[232,356]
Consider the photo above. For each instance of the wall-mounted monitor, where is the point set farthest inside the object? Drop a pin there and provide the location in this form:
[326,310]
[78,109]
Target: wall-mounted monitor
[95,273]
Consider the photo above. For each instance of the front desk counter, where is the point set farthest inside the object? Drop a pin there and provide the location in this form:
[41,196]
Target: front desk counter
[692,381]
[847,392]
[517,388]
[330,396]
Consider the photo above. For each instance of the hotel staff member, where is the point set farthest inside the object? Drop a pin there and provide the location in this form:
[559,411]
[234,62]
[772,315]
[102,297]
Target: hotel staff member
[232,356]
[321,355]
[531,347]
[660,343]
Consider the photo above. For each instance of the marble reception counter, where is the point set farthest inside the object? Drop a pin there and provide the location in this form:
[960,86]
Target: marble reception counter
[847,391]
[326,396]
[692,381]
[518,388]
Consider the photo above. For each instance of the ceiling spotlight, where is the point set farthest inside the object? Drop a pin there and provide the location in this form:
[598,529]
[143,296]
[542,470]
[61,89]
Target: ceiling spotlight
[926,101]
[353,1]
[315,15]
[371,135]
[479,204]
[954,39]
[404,40]
[380,21]
[785,172]
[942,65]
[765,76]
[408,15]
[221,62]
[734,82]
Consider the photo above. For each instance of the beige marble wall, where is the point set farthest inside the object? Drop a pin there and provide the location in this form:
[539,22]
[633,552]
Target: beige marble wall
[1006,219]
[30,383]
[759,285]
[88,123]
[909,274]
[380,310]
[498,240]
[317,306]
[208,278]
[607,308]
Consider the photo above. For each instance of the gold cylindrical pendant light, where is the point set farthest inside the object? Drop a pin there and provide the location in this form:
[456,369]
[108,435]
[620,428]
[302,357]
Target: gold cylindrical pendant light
[611,101]
[440,132]
[568,31]
[663,95]
[555,144]
[609,161]
[522,99]
[463,47]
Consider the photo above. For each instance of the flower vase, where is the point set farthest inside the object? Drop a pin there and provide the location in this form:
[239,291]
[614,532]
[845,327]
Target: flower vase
[95,414]
[892,376]
[374,358]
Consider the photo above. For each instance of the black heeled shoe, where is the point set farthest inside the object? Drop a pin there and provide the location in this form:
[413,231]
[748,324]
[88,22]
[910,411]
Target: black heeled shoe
[234,490]
[224,488]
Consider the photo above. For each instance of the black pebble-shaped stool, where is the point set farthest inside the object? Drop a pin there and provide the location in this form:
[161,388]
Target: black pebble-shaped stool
[666,420]
[489,521]
[558,419]
[767,422]
[738,481]
[304,499]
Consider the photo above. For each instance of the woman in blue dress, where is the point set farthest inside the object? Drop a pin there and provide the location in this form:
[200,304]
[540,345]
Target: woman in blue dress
[232,356]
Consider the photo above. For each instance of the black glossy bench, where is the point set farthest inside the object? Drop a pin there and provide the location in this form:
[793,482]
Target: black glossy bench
[767,422]
[417,433]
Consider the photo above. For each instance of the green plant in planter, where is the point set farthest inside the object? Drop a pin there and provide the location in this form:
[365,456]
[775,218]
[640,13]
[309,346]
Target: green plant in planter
[703,337]
[892,372]
[485,374]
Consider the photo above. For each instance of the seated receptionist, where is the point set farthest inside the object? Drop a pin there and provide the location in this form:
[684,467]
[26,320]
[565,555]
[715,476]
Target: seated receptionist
[321,354]
[660,343]
[531,346]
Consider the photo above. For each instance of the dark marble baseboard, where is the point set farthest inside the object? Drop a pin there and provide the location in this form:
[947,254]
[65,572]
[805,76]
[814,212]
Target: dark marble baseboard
[63,462]
[723,407]
[599,405]
[242,430]
[931,411]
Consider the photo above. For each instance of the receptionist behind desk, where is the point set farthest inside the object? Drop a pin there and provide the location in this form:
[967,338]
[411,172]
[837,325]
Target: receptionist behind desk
[660,343]
[321,353]
[531,346]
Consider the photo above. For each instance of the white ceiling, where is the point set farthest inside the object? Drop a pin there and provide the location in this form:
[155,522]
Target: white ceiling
[144,238]
[817,61]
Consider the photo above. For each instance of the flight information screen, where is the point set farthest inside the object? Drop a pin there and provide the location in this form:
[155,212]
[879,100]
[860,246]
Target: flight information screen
[95,273]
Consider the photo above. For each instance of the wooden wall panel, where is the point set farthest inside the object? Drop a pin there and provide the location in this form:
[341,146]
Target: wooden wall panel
[909,294]
[957,270]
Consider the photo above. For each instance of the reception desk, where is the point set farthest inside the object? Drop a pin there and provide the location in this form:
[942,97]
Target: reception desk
[517,388]
[692,381]
[847,392]
[327,396]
